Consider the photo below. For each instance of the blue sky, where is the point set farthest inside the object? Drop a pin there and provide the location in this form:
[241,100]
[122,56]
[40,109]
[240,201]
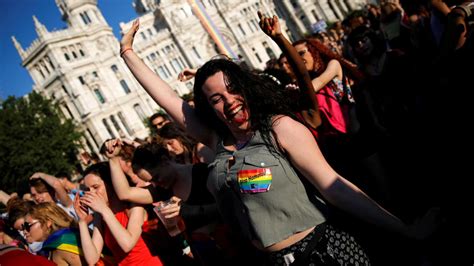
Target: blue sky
[16,18]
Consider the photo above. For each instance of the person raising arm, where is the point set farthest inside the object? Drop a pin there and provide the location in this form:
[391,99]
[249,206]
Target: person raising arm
[259,151]
[162,93]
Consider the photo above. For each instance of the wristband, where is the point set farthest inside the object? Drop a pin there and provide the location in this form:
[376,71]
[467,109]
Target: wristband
[124,50]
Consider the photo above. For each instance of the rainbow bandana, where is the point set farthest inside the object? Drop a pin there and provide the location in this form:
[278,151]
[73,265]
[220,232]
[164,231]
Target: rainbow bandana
[65,239]
[255,180]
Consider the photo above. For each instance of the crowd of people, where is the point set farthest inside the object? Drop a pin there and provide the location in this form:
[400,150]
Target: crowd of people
[343,151]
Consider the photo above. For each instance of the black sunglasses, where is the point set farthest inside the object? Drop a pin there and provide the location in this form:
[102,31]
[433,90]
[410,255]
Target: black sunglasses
[160,123]
[27,226]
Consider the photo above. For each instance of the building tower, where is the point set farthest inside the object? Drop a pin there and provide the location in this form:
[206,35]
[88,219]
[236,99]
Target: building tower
[80,68]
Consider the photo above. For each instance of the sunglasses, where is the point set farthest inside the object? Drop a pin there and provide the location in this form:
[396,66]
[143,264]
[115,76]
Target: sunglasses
[27,226]
[160,123]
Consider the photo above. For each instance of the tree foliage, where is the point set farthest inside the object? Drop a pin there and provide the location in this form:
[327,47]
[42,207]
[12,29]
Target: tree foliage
[34,136]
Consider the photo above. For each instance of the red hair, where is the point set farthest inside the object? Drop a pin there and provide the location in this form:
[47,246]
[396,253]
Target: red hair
[323,54]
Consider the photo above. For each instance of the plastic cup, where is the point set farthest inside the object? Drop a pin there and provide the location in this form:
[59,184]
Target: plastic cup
[171,224]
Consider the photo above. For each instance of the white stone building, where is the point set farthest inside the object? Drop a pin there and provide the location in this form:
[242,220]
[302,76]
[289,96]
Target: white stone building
[301,14]
[80,66]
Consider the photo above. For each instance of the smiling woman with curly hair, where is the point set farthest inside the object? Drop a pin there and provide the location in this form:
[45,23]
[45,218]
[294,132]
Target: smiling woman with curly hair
[267,165]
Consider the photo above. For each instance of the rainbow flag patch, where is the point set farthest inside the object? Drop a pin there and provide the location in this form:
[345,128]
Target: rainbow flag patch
[254,180]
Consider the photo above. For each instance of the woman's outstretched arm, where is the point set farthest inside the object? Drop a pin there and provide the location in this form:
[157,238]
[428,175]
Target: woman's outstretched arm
[305,155]
[162,93]
[271,27]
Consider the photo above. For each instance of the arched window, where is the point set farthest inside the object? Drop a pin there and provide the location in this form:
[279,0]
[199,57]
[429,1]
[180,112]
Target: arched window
[50,63]
[87,17]
[162,73]
[176,66]
[92,137]
[196,53]
[79,48]
[39,71]
[138,109]
[114,122]
[269,51]
[257,55]
[124,123]
[242,31]
[99,95]
[106,125]
[125,87]
[44,66]
[68,111]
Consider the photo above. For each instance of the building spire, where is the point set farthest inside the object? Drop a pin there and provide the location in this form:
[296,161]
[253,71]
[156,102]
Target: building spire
[40,28]
[18,47]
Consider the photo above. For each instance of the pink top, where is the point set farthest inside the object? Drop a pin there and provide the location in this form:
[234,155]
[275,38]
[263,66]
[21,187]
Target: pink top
[331,112]
[139,255]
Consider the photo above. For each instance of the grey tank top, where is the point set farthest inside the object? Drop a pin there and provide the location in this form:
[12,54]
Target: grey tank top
[260,193]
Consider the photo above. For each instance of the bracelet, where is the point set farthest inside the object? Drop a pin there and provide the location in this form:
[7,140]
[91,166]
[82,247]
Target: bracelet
[124,50]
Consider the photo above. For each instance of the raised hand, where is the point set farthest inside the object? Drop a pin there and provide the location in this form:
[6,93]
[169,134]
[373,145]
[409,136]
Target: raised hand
[49,179]
[37,175]
[131,142]
[113,148]
[81,209]
[4,197]
[271,26]
[127,38]
[187,74]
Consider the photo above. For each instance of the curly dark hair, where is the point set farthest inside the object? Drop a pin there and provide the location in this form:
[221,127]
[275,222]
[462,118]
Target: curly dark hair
[262,96]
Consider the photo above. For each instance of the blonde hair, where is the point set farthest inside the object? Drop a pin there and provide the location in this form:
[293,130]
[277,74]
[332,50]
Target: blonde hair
[49,211]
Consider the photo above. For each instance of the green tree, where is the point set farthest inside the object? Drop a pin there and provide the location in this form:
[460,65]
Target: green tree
[34,136]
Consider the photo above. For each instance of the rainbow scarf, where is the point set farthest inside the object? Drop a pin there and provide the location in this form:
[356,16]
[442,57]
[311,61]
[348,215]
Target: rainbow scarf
[66,239]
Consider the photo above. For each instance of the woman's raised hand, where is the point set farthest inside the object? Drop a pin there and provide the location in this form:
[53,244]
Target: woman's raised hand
[127,38]
[187,74]
[271,26]
[113,148]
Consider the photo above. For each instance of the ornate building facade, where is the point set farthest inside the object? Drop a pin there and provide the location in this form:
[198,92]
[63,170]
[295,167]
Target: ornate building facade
[80,66]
